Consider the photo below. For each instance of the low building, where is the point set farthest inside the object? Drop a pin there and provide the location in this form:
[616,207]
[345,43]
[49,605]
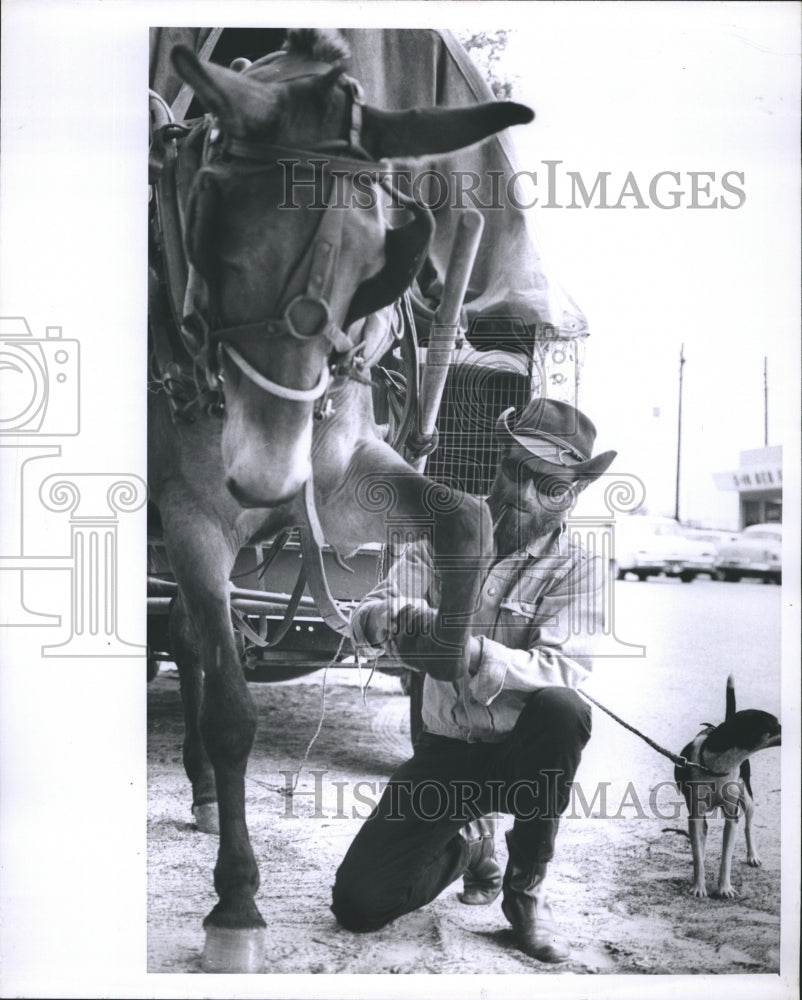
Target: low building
[759,483]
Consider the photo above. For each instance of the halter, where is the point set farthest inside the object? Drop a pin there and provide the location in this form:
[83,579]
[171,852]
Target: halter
[306,316]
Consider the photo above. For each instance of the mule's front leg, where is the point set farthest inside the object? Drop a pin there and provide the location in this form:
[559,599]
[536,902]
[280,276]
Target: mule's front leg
[234,935]
[201,554]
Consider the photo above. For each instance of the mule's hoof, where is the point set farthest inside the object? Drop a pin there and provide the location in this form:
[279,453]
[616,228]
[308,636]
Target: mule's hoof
[207,818]
[229,950]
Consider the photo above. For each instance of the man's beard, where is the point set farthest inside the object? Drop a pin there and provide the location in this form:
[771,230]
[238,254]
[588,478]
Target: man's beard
[515,529]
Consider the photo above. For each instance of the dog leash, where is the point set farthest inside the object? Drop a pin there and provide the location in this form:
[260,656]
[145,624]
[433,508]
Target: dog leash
[675,758]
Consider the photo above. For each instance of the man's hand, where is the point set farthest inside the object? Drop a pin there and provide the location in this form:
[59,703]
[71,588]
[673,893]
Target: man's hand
[473,652]
[376,627]
[417,644]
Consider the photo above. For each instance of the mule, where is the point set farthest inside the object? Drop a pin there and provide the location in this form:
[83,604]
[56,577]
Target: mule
[286,310]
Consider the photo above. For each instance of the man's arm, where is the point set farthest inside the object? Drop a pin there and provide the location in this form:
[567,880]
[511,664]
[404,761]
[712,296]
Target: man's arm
[571,621]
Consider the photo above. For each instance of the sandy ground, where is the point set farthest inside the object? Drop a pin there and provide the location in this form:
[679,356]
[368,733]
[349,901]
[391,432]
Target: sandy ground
[619,883]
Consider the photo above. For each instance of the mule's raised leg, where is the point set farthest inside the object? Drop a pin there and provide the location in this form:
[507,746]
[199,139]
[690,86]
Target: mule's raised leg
[387,490]
[202,555]
[462,540]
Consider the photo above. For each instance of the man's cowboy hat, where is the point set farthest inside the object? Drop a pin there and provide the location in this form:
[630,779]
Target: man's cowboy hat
[552,438]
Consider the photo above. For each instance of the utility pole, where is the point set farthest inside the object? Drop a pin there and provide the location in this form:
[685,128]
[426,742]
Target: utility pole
[679,432]
[765,401]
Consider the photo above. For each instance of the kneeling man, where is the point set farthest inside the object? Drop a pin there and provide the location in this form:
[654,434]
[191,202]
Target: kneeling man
[508,735]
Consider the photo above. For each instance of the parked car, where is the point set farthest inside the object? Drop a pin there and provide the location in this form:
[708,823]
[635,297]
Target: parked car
[654,546]
[756,552]
[715,537]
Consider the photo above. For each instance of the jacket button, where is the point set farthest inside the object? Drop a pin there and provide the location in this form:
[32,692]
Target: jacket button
[491,591]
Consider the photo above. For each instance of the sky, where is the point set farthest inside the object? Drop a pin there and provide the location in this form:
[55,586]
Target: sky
[645,88]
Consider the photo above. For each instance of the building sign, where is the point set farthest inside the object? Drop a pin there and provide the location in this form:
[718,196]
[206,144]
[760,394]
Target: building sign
[754,475]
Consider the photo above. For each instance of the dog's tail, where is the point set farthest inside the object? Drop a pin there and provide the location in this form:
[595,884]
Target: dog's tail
[730,711]
[746,769]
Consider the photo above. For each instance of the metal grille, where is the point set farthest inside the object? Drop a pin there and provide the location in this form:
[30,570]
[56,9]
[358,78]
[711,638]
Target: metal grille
[474,396]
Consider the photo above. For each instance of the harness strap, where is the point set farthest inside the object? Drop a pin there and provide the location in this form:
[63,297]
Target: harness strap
[241,622]
[319,585]
[270,154]
[272,327]
[274,388]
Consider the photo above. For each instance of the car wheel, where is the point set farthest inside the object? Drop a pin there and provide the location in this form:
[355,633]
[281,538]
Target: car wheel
[687,576]
[643,577]
[730,577]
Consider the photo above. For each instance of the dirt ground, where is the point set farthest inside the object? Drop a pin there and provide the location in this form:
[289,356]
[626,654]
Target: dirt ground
[619,882]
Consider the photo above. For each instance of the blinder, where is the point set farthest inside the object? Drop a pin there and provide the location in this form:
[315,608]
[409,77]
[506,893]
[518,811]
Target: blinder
[201,222]
[405,250]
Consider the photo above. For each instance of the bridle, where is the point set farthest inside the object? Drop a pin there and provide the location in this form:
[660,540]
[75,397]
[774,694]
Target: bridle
[304,316]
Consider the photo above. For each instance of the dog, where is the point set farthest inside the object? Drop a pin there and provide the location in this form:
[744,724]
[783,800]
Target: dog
[717,773]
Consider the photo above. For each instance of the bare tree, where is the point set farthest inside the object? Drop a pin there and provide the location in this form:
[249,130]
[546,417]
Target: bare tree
[486,48]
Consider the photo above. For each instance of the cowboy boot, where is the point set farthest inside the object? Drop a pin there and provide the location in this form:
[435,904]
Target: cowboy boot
[482,878]
[526,907]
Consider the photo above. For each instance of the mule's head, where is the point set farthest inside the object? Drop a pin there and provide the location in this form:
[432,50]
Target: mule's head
[286,229]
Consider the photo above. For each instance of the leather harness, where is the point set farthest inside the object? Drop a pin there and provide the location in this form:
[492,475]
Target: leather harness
[304,316]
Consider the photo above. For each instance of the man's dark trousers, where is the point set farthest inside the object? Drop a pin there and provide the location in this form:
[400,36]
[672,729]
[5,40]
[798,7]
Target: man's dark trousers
[409,849]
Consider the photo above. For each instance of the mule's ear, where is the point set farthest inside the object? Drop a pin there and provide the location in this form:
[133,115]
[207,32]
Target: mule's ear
[428,131]
[242,105]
